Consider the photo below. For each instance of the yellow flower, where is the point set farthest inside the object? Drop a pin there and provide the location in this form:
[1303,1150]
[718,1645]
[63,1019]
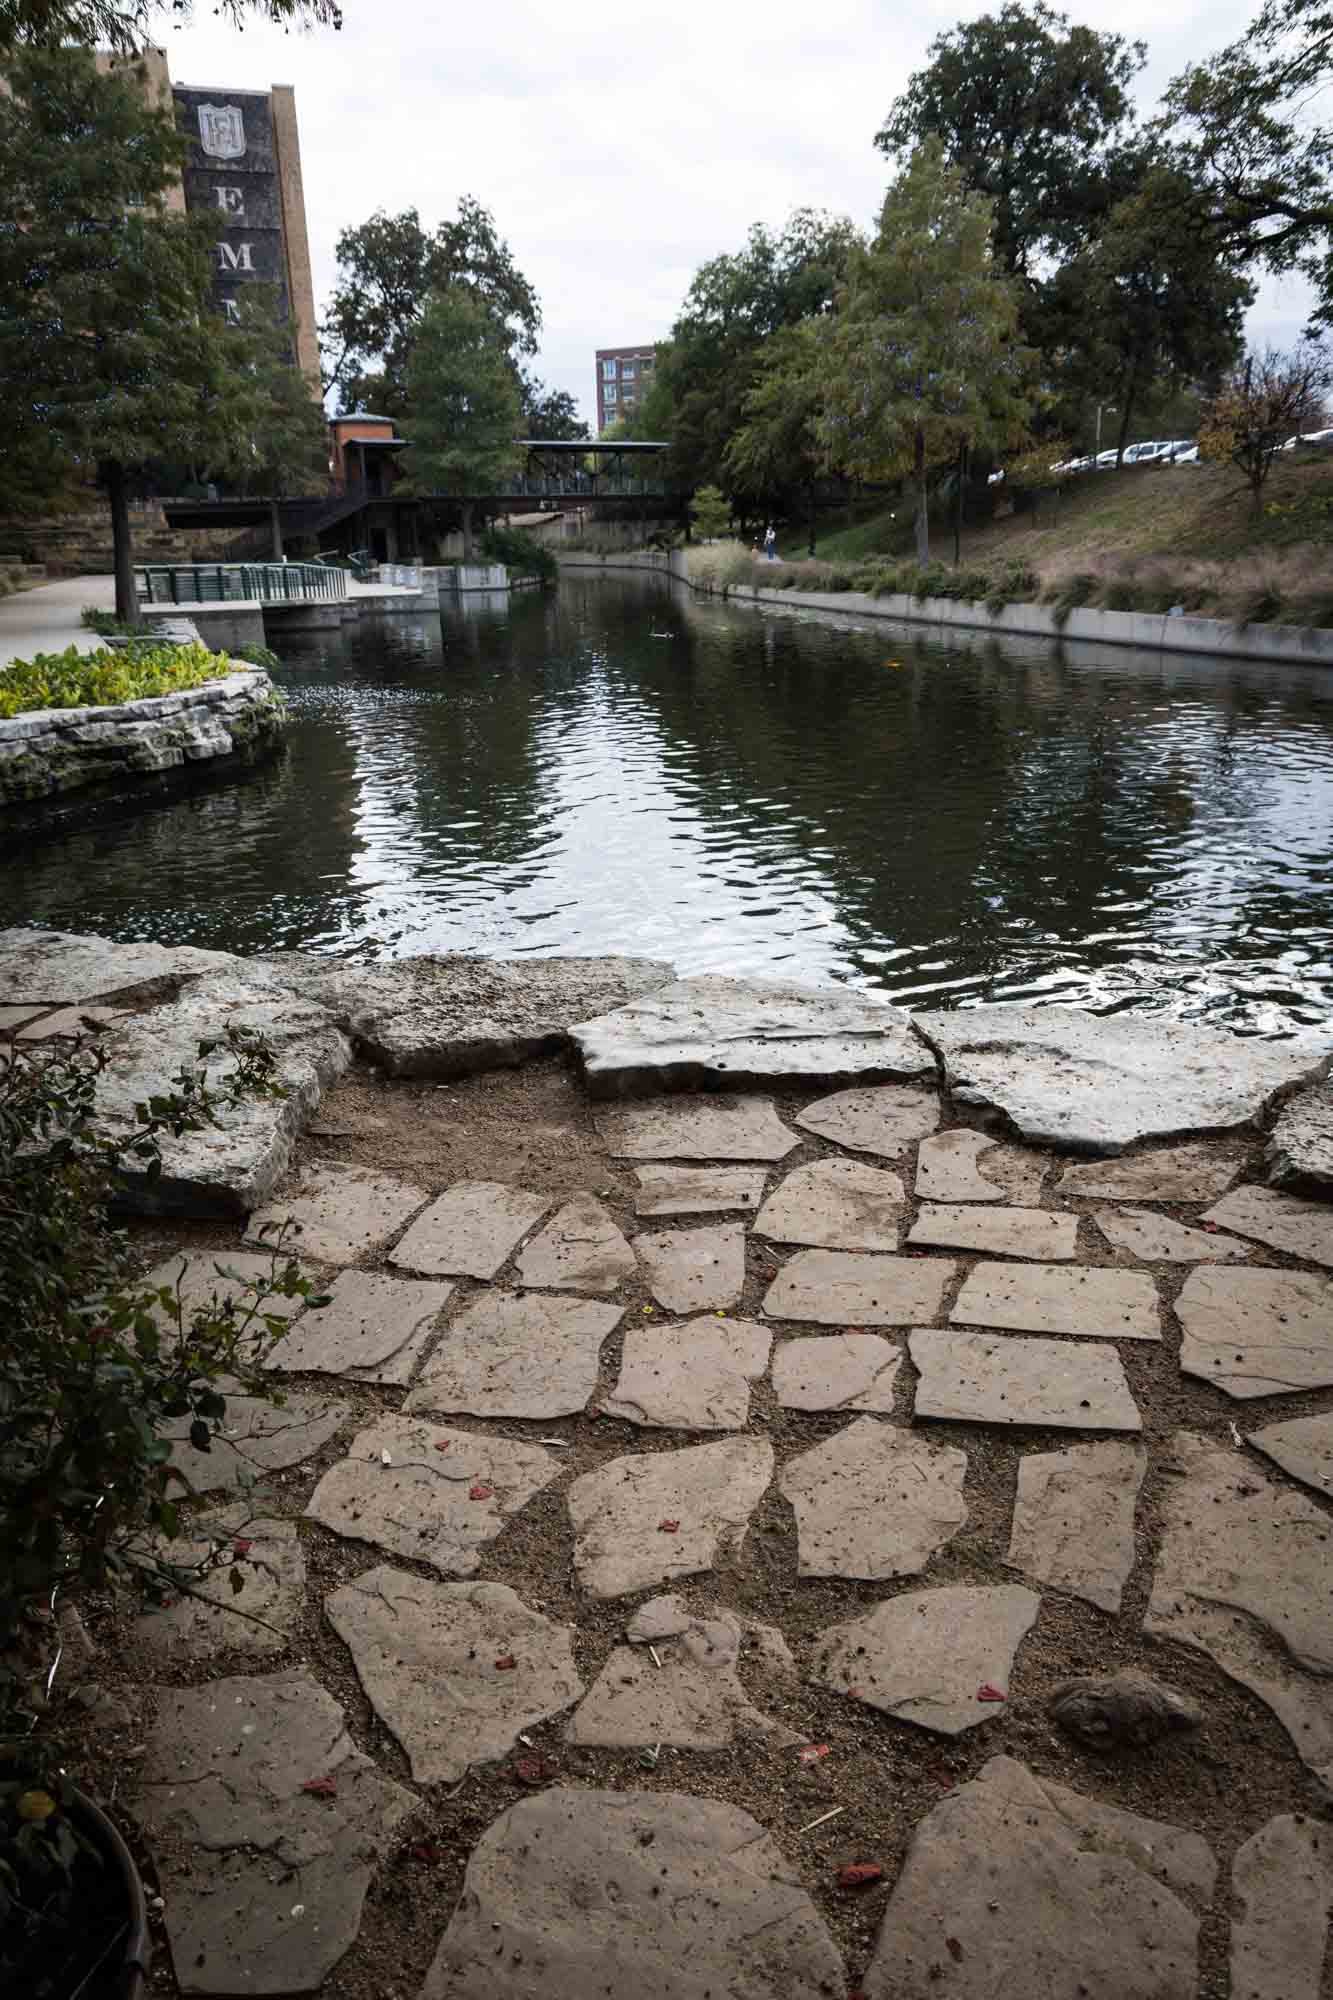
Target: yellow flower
[36,1805]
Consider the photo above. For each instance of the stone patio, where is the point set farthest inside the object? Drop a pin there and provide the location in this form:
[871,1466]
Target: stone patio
[745,1499]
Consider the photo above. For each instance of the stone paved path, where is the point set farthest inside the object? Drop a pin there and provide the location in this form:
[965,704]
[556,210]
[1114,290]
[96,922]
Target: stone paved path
[745,1503]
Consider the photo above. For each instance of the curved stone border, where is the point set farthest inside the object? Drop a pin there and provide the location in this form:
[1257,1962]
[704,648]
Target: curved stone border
[48,751]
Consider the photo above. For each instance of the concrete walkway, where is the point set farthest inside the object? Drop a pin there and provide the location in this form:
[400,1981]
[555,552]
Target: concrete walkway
[46,620]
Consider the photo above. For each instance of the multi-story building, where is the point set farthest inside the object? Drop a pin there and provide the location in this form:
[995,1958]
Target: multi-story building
[623,376]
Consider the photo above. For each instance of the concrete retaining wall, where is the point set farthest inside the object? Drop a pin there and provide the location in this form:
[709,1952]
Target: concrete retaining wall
[1292,645]
[56,750]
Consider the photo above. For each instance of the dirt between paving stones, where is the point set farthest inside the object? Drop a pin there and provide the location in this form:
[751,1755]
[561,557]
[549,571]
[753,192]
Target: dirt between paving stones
[534,1128]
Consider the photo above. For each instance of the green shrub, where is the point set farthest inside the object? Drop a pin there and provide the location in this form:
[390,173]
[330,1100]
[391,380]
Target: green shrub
[91,680]
[734,571]
[262,656]
[522,553]
[1261,607]
[107,625]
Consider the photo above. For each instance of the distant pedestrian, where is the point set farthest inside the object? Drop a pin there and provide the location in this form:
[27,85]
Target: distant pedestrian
[771,543]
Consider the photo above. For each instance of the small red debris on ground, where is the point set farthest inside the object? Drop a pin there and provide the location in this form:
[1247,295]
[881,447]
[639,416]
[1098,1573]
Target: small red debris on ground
[443,1444]
[506,1665]
[1211,1227]
[480,1492]
[858,1874]
[321,1788]
[668,1527]
[241,1547]
[954,1949]
[988,1693]
[426,1850]
[812,1752]
[534,1770]
[856,1693]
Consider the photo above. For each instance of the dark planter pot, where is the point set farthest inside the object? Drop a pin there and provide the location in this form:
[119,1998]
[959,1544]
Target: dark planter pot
[122,1971]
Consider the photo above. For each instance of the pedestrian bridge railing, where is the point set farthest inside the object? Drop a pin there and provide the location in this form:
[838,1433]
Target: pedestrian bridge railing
[224,583]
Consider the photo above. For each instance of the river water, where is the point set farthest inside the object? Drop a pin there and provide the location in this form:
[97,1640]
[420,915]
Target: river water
[619,767]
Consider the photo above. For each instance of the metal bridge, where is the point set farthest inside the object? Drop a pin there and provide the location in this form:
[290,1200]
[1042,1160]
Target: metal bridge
[235,583]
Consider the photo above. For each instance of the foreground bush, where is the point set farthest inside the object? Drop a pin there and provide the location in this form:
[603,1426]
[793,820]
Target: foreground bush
[520,552]
[93,680]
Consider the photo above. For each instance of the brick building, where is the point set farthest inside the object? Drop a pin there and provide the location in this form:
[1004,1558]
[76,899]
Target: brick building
[624,374]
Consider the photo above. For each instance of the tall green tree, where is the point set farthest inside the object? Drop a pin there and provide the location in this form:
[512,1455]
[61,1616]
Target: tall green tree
[463,403]
[549,413]
[778,452]
[923,354]
[1270,396]
[389,269]
[110,350]
[284,438]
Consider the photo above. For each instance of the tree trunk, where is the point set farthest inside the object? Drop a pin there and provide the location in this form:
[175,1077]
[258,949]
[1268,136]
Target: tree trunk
[922,503]
[469,547]
[127,602]
[1126,411]
[275,530]
[813,544]
[958,504]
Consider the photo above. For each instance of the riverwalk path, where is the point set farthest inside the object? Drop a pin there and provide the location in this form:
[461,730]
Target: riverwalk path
[46,619]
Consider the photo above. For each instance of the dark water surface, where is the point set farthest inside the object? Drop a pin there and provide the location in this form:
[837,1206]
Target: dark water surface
[752,793]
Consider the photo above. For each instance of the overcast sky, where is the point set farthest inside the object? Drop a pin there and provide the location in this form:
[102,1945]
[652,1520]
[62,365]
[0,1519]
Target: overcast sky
[620,146]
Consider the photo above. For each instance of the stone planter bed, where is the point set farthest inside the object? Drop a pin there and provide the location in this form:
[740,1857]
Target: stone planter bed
[741,1408]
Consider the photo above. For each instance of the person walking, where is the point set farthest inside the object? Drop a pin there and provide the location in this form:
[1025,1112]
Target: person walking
[771,543]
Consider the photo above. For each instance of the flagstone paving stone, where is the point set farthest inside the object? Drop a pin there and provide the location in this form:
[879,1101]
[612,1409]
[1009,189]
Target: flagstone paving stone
[455,1670]
[925,1656]
[693,1270]
[1156,1238]
[1014,1878]
[961,1165]
[1283,1221]
[1200,1170]
[1282,1884]
[254,1438]
[1084,1299]
[1245,1575]
[883,1119]
[709,1491]
[979,1378]
[698,1190]
[839,1204]
[997,1232]
[1073,1522]
[429,1492]
[580,1250]
[694,1128]
[693,1377]
[197,1280]
[374,1329]
[263,1881]
[689,1695]
[704,1903]
[210,1617]
[344,1213]
[1301,1148]
[711,1030]
[517,1354]
[1257,1332]
[470,1231]
[1303,1447]
[874,1502]
[836,1371]
[841,1287]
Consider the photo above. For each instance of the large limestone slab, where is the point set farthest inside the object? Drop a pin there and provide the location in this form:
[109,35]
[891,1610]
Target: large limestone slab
[263,1881]
[455,1670]
[1302,1447]
[1245,1574]
[1157,1239]
[1074,1519]
[962,1165]
[580,1250]
[470,1231]
[996,1232]
[213,1553]
[874,1502]
[694,1270]
[1198,1171]
[837,1204]
[1084,1299]
[1282,1221]
[1096,1083]
[517,1354]
[979,1378]
[1014,1879]
[254,1438]
[1300,1152]
[1282,1881]
[711,1031]
[1257,1333]
[694,1377]
[840,1287]
[706,1491]
[374,1329]
[429,1492]
[703,1904]
[924,1657]
[66,968]
[343,1213]
[695,1128]
[836,1371]
[454,1015]
[698,1190]
[883,1119]
[676,1683]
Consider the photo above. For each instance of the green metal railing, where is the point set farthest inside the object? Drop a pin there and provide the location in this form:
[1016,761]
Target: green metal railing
[225,583]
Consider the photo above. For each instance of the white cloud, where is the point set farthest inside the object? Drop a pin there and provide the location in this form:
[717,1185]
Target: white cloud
[619,146]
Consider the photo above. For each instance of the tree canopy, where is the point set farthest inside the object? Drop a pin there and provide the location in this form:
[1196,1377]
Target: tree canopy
[463,400]
[548,413]
[126,25]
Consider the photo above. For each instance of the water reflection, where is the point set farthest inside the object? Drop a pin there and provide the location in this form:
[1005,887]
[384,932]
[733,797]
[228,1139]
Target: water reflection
[755,793]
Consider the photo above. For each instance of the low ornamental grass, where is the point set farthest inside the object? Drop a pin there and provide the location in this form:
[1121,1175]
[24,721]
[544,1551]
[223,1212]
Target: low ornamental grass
[93,680]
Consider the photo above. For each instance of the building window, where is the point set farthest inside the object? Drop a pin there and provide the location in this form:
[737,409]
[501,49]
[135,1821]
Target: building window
[611,392]
[608,371]
[646,363]
[627,371]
